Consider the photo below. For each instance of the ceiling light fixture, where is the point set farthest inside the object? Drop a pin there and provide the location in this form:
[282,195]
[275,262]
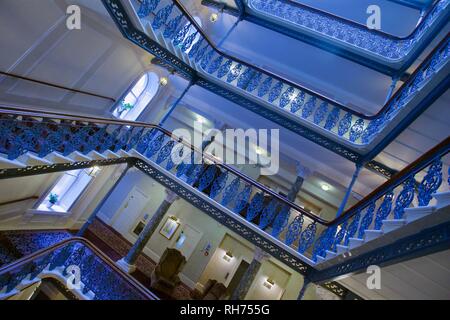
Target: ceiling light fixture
[163,81]
[325,187]
[200,119]
[259,150]
[213,18]
[228,256]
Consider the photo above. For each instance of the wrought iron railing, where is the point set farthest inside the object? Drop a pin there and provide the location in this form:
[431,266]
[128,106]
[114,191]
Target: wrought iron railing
[99,278]
[24,131]
[169,23]
[389,201]
[352,34]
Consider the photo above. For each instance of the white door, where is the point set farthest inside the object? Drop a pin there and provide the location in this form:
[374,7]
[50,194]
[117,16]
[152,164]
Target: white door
[130,210]
[187,240]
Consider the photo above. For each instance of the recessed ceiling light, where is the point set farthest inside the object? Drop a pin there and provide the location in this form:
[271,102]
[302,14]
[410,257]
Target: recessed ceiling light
[325,187]
[259,150]
[214,17]
[200,119]
[163,81]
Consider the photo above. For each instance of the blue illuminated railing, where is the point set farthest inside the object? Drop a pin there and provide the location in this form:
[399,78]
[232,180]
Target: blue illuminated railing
[388,202]
[168,22]
[24,131]
[351,34]
[99,277]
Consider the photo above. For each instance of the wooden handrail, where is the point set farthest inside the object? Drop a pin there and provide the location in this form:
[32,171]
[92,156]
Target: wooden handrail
[418,164]
[143,291]
[310,91]
[423,161]
[45,83]
[18,200]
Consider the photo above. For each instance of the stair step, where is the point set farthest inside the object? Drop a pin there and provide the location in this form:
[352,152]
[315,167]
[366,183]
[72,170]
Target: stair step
[443,199]
[30,159]
[137,154]
[122,153]
[392,224]
[340,249]
[56,157]
[95,155]
[330,254]
[110,154]
[78,156]
[320,259]
[370,235]
[5,163]
[412,214]
[355,242]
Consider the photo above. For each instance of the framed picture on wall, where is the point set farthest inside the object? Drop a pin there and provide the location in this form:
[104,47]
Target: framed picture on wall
[169,228]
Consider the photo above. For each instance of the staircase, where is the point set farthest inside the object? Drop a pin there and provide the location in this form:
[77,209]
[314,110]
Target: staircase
[373,48]
[167,23]
[379,219]
[33,143]
[72,261]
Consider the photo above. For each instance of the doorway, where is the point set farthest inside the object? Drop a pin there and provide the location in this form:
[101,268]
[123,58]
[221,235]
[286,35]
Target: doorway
[243,266]
[132,207]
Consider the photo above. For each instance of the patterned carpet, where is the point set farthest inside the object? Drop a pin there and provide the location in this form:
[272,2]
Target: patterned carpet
[116,247]
[27,242]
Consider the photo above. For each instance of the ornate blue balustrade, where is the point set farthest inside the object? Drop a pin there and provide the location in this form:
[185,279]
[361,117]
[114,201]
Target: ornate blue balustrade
[228,188]
[99,278]
[174,28]
[347,34]
[389,201]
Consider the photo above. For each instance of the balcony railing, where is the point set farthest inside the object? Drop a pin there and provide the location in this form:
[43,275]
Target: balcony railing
[24,131]
[99,278]
[170,24]
[349,34]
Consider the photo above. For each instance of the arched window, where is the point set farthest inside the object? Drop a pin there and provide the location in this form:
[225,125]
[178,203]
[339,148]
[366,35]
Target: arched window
[138,97]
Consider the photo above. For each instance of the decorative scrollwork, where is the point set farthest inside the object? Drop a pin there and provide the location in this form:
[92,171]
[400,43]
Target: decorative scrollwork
[405,198]
[430,183]
[384,210]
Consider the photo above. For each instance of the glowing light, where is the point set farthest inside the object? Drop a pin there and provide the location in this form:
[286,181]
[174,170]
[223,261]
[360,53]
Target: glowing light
[260,150]
[214,17]
[325,187]
[163,81]
[269,283]
[228,256]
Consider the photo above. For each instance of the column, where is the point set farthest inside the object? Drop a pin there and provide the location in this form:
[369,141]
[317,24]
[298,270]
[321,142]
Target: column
[92,217]
[302,174]
[349,190]
[305,286]
[128,262]
[249,276]
[175,104]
